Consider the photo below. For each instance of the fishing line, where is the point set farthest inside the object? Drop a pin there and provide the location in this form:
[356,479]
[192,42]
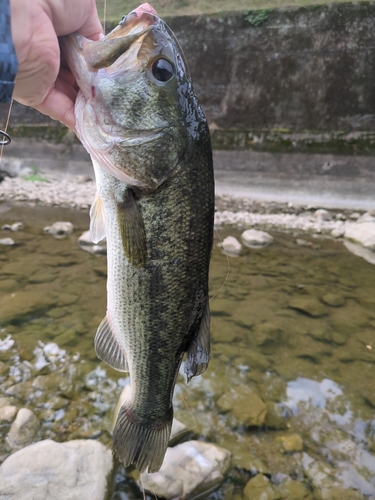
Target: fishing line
[5,131]
[104,14]
[228,269]
[191,414]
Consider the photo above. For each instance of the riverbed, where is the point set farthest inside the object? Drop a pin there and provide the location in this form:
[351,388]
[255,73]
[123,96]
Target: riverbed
[290,386]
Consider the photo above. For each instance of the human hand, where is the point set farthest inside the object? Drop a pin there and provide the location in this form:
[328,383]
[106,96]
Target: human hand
[41,82]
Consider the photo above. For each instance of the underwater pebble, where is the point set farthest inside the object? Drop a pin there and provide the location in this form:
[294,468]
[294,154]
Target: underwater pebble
[6,241]
[291,442]
[308,305]
[59,229]
[260,488]
[322,214]
[58,471]
[189,469]
[85,242]
[231,246]
[23,429]
[253,238]
[7,414]
[245,405]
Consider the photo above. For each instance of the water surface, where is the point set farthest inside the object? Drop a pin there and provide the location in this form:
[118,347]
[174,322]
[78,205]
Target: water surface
[293,334]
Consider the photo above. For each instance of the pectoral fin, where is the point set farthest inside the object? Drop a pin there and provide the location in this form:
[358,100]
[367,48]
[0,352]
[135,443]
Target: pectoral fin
[132,230]
[108,348]
[97,223]
[198,354]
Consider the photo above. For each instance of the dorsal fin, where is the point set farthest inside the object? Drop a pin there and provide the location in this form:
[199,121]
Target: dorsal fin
[108,348]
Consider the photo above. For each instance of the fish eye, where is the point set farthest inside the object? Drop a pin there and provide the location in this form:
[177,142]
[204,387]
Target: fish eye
[162,70]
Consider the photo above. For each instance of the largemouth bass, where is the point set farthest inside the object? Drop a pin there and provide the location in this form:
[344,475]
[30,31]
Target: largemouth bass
[138,117]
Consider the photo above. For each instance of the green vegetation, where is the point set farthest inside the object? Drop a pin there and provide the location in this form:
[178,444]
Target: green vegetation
[256,17]
[115,9]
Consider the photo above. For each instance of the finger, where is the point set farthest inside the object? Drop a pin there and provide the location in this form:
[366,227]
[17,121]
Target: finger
[59,107]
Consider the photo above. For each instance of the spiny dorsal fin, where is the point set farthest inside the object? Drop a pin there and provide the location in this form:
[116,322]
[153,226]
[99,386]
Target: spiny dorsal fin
[97,223]
[108,349]
[198,354]
[132,230]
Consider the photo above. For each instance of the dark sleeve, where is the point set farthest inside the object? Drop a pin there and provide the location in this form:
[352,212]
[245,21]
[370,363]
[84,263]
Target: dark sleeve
[8,58]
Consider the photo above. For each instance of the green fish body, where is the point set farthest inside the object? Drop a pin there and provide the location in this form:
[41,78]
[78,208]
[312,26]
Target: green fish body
[138,117]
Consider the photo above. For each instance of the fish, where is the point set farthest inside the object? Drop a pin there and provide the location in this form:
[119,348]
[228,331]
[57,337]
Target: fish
[139,118]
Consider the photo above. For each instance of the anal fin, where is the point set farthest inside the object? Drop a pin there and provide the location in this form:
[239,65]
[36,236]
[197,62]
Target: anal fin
[132,230]
[97,223]
[108,349]
[198,353]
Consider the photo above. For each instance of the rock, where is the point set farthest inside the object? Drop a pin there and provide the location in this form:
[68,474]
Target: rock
[268,334]
[275,418]
[322,214]
[340,216]
[18,304]
[362,233]
[341,493]
[231,246]
[360,251]
[333,299]
[59,229]
[366,217]
[189,469]
[7,414]
[86,243]
[20,390]
[76,470]
[5,402]
[355,216]
[253,238]
[23,429]
[293,490]
[291,442]
[248,461]
[338,232]
[308,305]
[260,488]
[245,405]
[6,241]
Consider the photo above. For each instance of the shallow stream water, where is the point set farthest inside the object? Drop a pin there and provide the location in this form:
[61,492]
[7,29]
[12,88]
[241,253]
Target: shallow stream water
[290,386]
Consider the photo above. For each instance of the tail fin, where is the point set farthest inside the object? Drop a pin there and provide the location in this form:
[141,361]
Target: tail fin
[141,443]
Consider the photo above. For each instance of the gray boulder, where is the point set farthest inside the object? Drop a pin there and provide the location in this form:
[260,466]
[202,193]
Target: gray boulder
[59,229]
[86,243]
[231,246]
[76,470]
[189,470]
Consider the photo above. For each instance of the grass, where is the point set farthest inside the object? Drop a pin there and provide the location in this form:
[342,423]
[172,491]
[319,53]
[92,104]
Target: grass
[117,8]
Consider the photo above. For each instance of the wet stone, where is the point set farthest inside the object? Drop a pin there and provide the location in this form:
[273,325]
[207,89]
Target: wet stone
[247,461]
[189,469]
[275,418]
[293,490]
[23,429]
[291,442]
[20,390]
[231,246]
[253,238]
[333,300]
[58,471]
[268,334]
[245,405]
[7,241]
[308,305]
[260,488]
[19,304]
[7,414]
